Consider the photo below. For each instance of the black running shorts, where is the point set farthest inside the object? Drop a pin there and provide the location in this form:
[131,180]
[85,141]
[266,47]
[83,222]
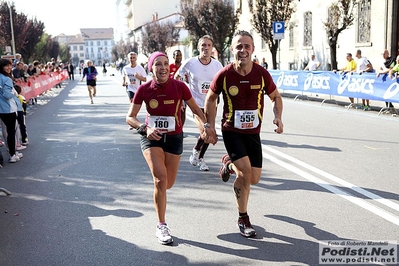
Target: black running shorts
[169,143]
[91,82]
[239,145]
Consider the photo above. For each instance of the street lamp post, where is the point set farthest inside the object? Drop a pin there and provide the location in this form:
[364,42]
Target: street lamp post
[12,30]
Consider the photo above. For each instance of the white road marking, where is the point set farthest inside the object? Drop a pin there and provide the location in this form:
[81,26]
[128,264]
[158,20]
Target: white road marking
[267,151]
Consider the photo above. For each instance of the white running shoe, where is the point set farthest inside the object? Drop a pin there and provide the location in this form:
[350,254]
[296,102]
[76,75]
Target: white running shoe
[194,157]
[20,148]
[202,165]
[13,159]
[163,235]
[19,154]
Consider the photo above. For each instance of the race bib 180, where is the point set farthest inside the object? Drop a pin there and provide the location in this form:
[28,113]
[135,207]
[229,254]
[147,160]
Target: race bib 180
[162,123]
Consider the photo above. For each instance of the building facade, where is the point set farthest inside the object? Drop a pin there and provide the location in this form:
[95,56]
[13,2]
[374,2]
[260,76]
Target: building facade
[98,44]
[93,44]
[374,29]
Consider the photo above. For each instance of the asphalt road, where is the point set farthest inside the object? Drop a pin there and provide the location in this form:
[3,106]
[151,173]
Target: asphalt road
[82,193]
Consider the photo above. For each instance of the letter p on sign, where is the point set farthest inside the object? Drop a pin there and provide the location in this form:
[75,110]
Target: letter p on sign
[278,30]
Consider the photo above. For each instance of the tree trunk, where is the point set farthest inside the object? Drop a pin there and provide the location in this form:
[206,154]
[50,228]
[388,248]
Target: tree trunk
[273,50]
[333,54]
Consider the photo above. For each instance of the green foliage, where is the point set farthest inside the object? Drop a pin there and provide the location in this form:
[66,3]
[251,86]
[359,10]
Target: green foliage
[216,18]
[64,54]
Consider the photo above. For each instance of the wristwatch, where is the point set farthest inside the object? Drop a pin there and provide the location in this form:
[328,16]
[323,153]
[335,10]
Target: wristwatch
[206,125]
[142,129]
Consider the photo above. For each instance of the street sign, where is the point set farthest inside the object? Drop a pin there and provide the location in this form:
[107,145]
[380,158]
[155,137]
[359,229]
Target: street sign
[8,56]
[278,30]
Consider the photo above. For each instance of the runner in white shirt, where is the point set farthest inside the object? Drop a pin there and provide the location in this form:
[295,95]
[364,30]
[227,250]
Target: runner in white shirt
[199,72]
[133,74]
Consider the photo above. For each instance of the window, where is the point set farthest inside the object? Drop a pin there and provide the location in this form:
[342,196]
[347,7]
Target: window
[291,35]
[81,47]
[307,29]
[363,21]
[264,46]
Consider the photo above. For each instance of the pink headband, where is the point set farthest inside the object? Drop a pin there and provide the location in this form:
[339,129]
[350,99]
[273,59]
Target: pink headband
[152,58]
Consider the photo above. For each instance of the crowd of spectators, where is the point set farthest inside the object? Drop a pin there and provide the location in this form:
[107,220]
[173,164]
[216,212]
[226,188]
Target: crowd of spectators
[25,72]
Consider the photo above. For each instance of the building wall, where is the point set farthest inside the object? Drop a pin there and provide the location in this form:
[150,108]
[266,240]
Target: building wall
[99,50]
[381,32]
[143,12]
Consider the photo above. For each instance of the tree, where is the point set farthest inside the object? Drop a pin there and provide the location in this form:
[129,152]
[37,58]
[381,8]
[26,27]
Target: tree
[340,17]
[264,13]
[65,54]
[216,18]
[27,32]
[45,49]
[121,49]
[157,36]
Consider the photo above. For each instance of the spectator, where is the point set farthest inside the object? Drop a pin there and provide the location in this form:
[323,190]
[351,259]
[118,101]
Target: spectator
[350,66]
[200,72]
[8,107]
[104,69]
[387,64]
[264,63]
[363,65]
[22,135]
[31,70]
[71,70]
[17,72]
[36,68]
[255,60]
[313,64]
[394,71]
[18,58]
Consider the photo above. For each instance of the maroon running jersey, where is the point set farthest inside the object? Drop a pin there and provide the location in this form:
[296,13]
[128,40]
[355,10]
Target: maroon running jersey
[163,104]
[243,97]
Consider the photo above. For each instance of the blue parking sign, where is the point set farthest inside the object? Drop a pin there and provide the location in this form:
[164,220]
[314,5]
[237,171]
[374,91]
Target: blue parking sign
[278,30]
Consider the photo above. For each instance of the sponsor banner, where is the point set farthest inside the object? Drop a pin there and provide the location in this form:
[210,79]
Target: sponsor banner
[37,85]
[350,252]
[364,86]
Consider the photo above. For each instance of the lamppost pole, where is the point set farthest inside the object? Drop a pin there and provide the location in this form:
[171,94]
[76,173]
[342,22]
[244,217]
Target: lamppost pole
[12,30]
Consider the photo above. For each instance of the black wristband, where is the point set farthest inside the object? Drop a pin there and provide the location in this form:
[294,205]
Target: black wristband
[142,130]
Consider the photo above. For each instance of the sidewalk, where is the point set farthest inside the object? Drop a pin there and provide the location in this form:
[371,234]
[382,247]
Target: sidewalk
[375,106]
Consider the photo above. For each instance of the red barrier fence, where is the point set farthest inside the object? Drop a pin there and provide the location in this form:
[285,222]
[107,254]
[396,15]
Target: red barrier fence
[37,85]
